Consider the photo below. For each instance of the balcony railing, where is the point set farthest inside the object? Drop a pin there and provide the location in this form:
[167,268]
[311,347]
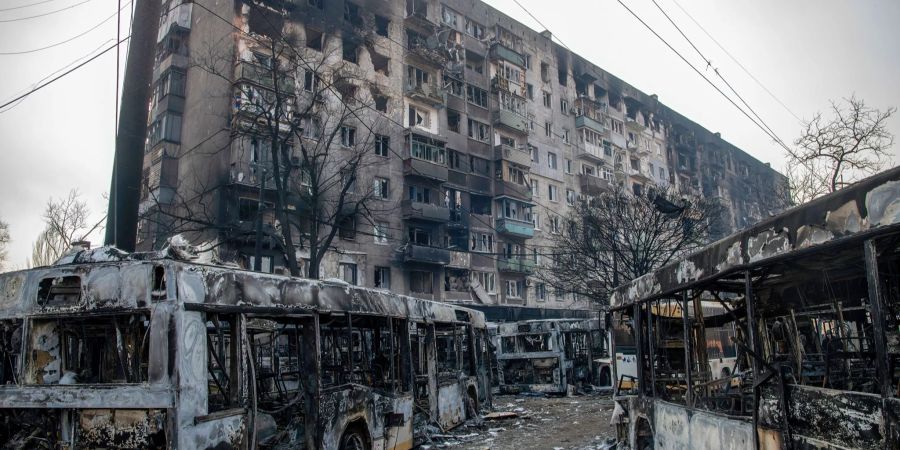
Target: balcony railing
[424,254]
[592,185]
[501,51]
[583,121]
[590,152]
[517,265]
[424,211]
[515,227]
[425,169]
[262,76]
[509,189]
[425,93]
[511,121]
[514,155]
[634,124]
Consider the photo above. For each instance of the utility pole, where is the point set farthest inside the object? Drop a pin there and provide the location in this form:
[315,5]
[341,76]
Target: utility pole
[124,192]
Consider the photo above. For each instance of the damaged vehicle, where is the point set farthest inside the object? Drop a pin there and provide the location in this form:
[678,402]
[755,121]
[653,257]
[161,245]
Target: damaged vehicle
[547,355]
[115,350]
[812,297]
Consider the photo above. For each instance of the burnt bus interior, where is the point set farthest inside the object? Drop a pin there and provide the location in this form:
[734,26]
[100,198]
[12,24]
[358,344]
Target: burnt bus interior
[548,355]
[816,336]
[291,372]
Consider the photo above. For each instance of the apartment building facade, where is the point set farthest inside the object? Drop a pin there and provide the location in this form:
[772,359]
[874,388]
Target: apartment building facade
[488,132]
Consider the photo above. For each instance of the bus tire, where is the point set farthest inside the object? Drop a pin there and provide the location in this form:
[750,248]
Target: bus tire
[355,437]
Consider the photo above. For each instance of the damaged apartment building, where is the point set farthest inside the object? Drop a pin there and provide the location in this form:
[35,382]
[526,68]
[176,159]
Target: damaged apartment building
[486,133]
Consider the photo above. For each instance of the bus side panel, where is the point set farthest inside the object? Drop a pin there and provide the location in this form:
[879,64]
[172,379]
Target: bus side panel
[451,405]
[360,406]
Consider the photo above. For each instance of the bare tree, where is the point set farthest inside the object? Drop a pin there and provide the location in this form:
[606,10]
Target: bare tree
[4,242]
[615,237]
[304,127]
[66,222]
[836,151]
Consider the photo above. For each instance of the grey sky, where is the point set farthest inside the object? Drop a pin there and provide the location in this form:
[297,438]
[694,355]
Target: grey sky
[805,51]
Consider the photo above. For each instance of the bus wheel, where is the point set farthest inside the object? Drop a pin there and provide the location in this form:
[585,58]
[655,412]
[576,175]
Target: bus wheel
[354,438]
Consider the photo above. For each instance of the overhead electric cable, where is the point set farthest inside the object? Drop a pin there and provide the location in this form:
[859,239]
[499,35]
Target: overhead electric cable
[716,71]
[541,24]
[32,91]
[76,61]
[26,6]
[730,100]
[44,14]
[733,58]
[65,41]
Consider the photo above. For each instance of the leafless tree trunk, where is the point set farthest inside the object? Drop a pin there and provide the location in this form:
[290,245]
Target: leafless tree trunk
[613,238]
[834,152]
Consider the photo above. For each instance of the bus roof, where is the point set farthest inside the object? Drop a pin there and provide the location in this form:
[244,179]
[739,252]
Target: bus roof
[863,210]
[108,280]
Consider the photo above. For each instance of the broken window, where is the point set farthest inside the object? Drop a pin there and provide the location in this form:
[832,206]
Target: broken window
[347,272]
[456,280]
[277,347]
[315,39]
[380,63]
[419,117]
[476,96]
[223,362]
[453,120]
[474,62]
[382,25]
[382,145]
[382,277]
[420,282]
[347,228]
[479,131]
[350,51]
[454,87]
[10,350]
[447,346]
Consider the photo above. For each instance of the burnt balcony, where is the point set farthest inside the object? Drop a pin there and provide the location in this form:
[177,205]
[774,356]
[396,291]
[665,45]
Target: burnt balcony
[262,76]
[514,227]
[500,51]
[417,13]
[424,211]
[513,190]
[511,121]
[592,185]
[634,125]
[514,155]
[516,265]
[640,174]
[424,93]
[414,253]
[597,126]
[424,169]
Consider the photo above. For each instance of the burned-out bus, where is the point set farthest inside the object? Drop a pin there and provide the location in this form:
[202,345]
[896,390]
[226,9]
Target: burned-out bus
[813,298]
[129,351]
[547,355]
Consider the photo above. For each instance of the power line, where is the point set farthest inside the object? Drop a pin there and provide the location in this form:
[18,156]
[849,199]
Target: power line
[716,71]
[733,58]
[44,14]
[57,71]
[32,91]
[67,40]
[774,138]
[26,6]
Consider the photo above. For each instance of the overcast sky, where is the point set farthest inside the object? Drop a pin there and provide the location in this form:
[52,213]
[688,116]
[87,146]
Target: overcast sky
[805,51]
